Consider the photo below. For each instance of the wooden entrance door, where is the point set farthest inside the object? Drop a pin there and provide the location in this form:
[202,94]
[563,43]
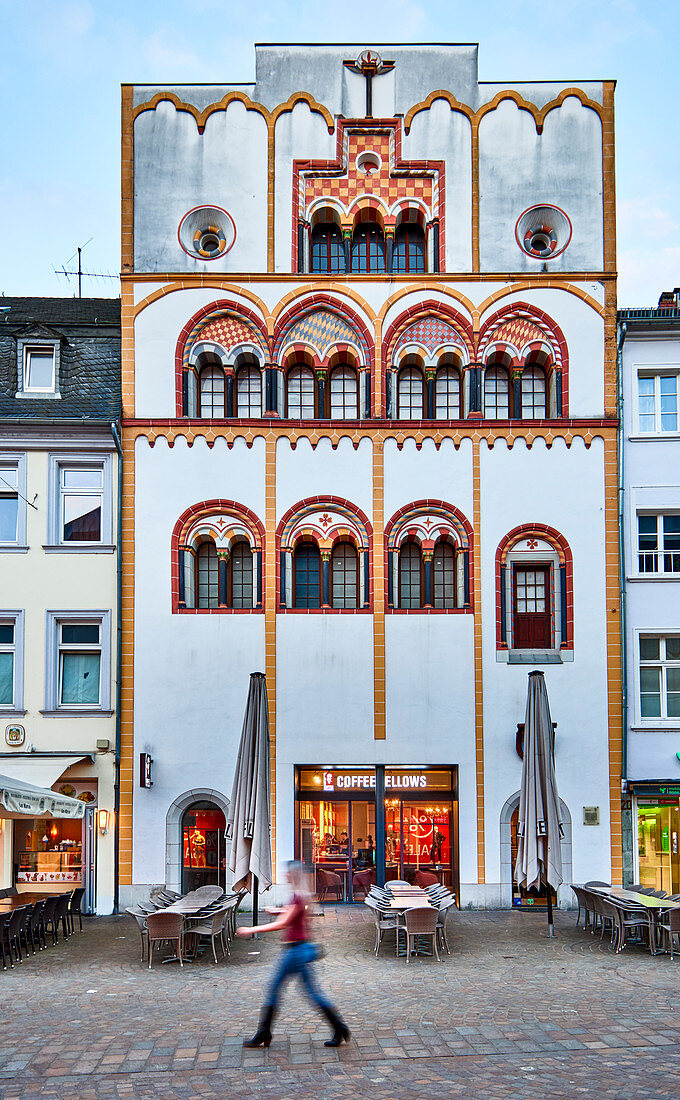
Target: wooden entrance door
[531,603]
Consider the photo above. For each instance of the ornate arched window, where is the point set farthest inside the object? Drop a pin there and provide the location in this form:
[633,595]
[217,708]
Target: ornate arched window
[207,575]
[343,393]
[344,576]
[217,558]
[249,391]
[410,580]
[533,393]
[410,393]
[428,558]
[368,249]
[328,253]
[307,575]
[444,576]
[409,249]
[211,392]
[324,550]
[496,393]
[300,393]
[447,394]
[534,587]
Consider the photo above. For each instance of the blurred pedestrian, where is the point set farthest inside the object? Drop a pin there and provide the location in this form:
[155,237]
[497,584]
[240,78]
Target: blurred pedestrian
[297,958]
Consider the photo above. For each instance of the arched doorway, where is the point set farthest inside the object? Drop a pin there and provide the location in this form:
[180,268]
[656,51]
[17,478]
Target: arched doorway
[508,824]
[203,846]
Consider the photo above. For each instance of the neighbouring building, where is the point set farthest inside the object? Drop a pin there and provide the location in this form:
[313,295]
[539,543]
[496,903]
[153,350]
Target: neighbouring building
[59,413]
[369,436]
[649,347]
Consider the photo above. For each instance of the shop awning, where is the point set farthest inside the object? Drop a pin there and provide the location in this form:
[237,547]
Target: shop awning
[39,770]
[19,799]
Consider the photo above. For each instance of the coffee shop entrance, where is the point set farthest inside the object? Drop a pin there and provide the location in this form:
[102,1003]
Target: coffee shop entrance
[357,825]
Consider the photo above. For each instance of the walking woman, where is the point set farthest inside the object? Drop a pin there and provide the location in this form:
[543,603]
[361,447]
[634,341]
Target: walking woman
[297,958]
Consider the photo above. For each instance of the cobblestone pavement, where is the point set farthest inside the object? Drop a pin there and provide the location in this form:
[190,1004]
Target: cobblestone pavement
[509,1013]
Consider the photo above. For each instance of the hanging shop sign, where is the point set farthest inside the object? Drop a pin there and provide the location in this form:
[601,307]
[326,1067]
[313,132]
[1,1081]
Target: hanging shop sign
[145,763]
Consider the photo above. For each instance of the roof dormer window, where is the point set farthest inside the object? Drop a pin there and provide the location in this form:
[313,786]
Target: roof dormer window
[37,368]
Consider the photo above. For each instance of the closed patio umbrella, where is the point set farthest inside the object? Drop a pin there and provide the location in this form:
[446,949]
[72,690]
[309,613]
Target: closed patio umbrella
[249,820]
[539,851]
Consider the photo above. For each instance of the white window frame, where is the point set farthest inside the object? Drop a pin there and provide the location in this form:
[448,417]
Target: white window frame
[16,460]
[656,372]
[54,620]
[660,553]
[15,619]
[24,348]
[59,462]
[651,722]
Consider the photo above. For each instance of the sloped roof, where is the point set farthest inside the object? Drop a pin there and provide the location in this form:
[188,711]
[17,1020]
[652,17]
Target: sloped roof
[89,372]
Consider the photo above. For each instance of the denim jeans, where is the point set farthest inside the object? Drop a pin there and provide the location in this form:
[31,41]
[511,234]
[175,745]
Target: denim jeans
[296,960]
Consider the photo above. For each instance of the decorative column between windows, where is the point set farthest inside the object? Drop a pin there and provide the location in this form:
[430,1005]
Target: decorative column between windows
[302,245]
[516,378]
[326,578]
[321,379]
[564,641]
[466,578]
[347,245]
[433,244]
[229,397]
[430,377]
[503,608]
[367,580]
[283,578]
[222,568]
[366,374]
[389,391]
[271,389]
[181,598]
[258,578]
[389,245]
[558,393]
[475,404]
[427,550]
[390,579]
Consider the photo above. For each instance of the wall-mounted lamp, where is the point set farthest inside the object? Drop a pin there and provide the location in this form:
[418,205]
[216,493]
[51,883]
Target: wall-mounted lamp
[103,821]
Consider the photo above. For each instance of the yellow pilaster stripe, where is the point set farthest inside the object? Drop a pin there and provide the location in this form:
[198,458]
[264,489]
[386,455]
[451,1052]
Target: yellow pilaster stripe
[270,615]
[479,686]
[379,711]
[127,618]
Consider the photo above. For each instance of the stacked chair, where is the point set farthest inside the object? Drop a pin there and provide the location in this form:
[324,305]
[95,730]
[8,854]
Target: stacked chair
[35,926]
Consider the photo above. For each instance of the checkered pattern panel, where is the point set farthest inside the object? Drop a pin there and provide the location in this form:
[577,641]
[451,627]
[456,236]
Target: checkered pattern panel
[228,331]
[518,332]
[324,329]
[353,183]
[430,333]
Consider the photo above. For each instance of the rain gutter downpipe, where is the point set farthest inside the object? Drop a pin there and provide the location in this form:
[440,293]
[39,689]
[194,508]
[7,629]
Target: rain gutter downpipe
[623,328]
[119,654]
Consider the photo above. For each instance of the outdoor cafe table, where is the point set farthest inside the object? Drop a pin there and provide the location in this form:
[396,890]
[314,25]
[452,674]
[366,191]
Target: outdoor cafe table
[408,897]
[8,905]
[645,901]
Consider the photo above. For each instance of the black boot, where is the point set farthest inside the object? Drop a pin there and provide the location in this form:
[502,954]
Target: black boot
[263,1035]
[340,1030]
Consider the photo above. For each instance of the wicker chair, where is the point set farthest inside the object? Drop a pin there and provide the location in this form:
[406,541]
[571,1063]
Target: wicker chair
[140,918]
[165,926]
[385,921]
[425,879]
[4,940]
[74,909]
[13,933]
[48,918]
[418,922]
[669,925]
[328,881]
[211,926]
[362,882]
[442,913]
[34,926]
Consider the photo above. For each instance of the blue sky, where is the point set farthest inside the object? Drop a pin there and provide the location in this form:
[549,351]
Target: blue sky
[63,62]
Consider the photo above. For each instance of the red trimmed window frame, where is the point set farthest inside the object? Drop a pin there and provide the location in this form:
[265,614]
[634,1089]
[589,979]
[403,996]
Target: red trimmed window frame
[418,506]
[210,507]
[563,550]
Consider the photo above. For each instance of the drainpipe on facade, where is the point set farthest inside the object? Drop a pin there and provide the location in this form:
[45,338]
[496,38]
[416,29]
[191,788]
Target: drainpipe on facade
[119,654]
[626,832]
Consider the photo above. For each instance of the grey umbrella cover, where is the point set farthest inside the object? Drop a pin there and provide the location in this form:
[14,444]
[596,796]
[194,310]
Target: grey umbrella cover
[539,851]
[248,819]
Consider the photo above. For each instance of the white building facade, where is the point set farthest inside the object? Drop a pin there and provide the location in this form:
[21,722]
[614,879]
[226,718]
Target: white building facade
[59,412]
[649,343]
[369,391]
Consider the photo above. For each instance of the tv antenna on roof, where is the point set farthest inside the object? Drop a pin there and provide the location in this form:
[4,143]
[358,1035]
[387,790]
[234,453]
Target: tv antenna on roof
[80,273]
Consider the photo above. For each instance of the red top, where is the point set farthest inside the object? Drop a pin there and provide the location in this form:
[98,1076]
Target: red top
[296,931]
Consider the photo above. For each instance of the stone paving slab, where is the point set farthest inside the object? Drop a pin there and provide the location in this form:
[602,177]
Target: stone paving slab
[85,1020]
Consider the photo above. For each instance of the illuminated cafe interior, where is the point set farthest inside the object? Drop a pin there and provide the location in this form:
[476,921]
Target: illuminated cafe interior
[376,824]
